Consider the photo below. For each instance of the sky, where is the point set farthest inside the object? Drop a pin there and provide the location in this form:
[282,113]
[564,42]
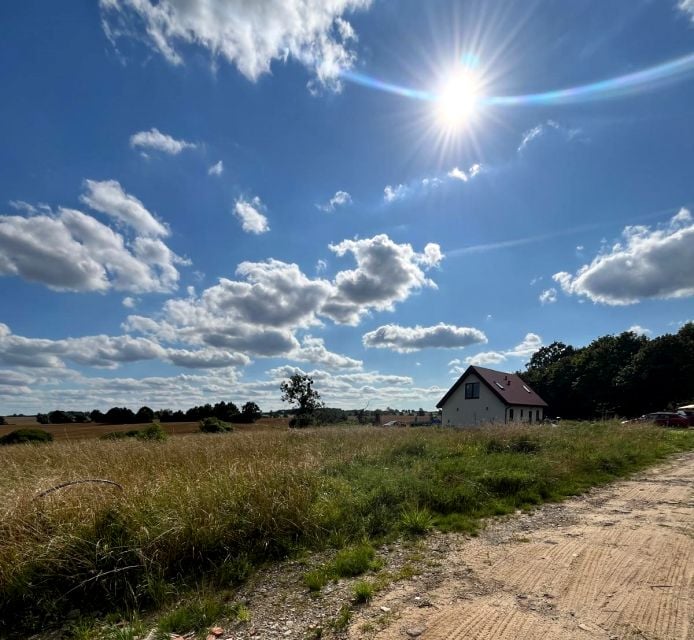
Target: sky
[200,198]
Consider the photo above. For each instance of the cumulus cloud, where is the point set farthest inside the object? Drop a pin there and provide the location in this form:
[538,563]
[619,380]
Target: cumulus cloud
[249,35]
[314,350]
[530,344]
[386,273]
[639,330]
[129,302]
[398,192]
[646,263]
[548,296]
[551,127]
[75,252]
[250,213]
[340,199]
[259,312]
[108,197]
[155,139]
[105,352]
[408,339]
[216,169]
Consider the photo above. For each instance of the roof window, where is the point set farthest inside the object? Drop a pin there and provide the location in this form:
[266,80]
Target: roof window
[501,386]
[526,388]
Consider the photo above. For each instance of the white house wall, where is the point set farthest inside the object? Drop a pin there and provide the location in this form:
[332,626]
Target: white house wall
[488,408]
[461,412]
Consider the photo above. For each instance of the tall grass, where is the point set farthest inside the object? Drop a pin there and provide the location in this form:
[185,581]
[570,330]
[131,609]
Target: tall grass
[211,507]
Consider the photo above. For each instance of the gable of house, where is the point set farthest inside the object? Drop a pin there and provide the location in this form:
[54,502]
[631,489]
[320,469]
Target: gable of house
[509,388]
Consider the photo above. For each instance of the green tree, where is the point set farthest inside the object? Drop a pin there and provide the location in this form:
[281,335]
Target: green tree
[299,391]
[251,410]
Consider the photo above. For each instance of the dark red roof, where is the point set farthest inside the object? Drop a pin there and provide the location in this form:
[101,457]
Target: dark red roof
[508,387]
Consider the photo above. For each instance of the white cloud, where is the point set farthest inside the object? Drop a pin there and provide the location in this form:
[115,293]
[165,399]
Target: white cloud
[408,339]
[108,197]
[250,35]
[547,128]
[314,350]
[639,330]
[386,273]
[249,212]
[646,263]
[398,192]
[321,266]
[75,252]
[548,296]
[106,352]
[206,358]
[129,302]
[687,6]
[530,344]
[155,139]
[458,174]
[216,169]
[260,312]
[340,199]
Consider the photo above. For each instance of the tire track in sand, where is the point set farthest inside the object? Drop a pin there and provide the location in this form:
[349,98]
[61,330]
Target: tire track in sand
[616,563]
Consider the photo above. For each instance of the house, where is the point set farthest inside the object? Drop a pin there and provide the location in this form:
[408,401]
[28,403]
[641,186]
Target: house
[483,395]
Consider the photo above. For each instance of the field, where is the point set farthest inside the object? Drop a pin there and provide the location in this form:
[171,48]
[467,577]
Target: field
[201,511]
[93,430]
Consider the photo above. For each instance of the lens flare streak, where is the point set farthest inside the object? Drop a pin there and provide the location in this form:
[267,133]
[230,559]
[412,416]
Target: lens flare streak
[629,84]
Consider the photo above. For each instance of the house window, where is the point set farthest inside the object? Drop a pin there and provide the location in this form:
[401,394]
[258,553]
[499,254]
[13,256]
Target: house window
[521,414]
[510,415]
[472,390]
[537,416]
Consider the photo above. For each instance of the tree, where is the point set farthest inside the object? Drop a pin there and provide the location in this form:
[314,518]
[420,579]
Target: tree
[251,410]
[144,414]
[299,391]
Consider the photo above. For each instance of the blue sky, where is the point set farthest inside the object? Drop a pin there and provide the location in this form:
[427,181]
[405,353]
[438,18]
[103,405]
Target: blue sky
[200,198]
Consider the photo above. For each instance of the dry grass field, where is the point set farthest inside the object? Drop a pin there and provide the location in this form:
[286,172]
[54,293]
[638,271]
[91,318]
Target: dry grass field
[204,509]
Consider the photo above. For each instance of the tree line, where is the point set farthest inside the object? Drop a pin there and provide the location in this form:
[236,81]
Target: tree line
[225,411]
[625,374]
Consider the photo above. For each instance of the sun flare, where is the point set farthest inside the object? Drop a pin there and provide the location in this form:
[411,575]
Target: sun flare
[458,99]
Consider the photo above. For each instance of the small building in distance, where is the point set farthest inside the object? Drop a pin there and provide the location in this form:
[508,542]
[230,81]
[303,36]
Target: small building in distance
[483,395]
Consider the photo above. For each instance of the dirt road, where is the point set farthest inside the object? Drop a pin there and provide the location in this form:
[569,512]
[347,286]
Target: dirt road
[615,564]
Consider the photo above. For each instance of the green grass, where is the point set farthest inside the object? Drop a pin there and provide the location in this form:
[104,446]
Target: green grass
[363,591]
[206,509]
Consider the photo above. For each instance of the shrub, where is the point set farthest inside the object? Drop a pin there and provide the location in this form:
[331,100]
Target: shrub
[214,425]
[152,432]
[301,420]
[21,436]
[120,435]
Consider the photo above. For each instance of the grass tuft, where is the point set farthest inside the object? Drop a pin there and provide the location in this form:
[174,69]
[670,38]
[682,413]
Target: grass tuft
[363,591]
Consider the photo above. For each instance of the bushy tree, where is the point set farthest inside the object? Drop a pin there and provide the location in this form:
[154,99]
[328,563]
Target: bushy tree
[144,414]
[299,391]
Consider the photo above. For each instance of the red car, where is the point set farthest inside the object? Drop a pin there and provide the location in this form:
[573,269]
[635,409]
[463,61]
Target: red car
[669,419]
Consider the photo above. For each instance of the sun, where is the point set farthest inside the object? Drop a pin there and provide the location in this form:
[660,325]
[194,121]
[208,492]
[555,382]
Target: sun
[458,99]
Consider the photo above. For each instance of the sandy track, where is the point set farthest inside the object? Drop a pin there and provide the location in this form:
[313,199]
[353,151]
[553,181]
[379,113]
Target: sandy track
[617,563]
